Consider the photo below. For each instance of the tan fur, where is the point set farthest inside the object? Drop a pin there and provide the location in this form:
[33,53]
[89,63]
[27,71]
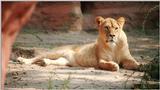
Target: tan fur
[108,52]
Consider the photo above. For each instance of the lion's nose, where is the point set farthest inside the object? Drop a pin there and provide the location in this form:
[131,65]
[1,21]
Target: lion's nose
[111,35]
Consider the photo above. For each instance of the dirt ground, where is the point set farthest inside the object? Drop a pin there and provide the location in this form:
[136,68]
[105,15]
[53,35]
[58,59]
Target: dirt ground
[33,77]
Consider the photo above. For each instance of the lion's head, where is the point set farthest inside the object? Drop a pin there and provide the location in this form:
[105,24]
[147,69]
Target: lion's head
[109,28]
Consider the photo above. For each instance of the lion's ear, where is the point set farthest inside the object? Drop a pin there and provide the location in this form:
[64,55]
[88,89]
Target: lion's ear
[99,20]
[121,21]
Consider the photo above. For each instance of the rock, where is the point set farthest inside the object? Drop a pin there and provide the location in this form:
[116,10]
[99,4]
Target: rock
[57,16]
[77,16]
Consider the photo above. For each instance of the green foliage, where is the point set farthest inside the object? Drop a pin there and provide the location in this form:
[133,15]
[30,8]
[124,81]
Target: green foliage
[151,72]
[146,17]
[66,83]
[50,82]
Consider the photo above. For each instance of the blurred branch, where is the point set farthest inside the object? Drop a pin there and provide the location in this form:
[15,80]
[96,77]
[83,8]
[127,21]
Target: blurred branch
[147,15]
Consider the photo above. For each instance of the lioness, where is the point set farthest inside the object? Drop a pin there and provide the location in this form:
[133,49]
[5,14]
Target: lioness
[108,52]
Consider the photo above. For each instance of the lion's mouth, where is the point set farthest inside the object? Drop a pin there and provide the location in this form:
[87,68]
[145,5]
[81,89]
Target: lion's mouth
[111,40]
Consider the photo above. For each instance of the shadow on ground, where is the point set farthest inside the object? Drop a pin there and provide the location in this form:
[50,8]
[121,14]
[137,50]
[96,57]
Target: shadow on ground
[143,48]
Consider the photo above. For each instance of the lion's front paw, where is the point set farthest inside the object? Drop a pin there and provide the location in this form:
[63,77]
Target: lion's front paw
[108,65]
[130,64]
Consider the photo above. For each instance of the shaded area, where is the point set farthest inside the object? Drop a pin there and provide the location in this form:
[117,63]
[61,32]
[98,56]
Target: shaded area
[37,77]
[140,44]
[143,48]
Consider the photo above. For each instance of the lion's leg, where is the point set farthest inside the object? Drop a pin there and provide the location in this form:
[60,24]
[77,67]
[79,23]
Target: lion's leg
[60,61]
[26,61]
[33,60]
[39,58]
[108,65]
[129,64]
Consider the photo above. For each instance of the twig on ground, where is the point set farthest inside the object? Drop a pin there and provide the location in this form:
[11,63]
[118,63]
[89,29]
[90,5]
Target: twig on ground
[125,83]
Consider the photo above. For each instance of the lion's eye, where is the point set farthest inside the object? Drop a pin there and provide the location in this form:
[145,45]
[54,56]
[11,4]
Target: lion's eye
[116,28]
[106,27]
